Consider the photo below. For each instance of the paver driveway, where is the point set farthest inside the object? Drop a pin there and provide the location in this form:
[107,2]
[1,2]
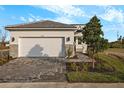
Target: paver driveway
[33,69]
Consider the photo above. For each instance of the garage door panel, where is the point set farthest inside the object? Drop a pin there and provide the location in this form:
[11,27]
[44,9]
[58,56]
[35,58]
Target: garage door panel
[41,47]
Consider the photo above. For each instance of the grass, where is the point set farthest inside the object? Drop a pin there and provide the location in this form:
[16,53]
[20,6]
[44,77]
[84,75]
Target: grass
[118,50]
[111,61]
[109,68]
[90,77]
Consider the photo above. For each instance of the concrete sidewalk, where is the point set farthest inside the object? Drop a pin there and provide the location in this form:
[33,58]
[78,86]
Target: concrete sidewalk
[61,85]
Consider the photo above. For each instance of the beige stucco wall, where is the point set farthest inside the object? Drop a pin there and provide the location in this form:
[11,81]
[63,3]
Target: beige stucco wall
[80,47]
[78,34]
[17,34]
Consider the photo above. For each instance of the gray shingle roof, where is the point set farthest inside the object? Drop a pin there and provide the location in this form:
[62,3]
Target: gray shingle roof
[42,24]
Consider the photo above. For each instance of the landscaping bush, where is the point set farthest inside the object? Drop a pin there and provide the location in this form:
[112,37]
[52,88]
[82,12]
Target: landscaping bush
[4,57]
[69,52]
[5,60]
[78,66]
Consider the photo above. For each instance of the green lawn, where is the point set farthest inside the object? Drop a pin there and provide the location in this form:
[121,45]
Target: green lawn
[110,68]
[117,50]
[91,77]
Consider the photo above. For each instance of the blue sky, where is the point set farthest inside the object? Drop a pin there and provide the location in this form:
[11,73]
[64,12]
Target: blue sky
[112,17]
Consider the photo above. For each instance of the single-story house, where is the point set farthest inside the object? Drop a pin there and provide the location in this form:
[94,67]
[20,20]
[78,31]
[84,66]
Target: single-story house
[45,39]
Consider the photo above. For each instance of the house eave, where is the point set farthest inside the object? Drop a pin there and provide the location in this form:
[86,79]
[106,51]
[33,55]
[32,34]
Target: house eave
[22,29]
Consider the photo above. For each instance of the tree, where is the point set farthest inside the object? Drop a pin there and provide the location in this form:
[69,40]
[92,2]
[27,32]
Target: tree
[3,36]
[103,44]
[120,39]
[123,42]
[92,35]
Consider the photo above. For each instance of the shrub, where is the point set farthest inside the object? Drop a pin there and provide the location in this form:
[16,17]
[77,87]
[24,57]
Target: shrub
[78,66]
[116,44]
[69,52]
[85,67]
[74,67]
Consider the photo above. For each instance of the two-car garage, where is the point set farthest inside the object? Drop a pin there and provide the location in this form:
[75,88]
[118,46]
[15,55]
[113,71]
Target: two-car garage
[41,47]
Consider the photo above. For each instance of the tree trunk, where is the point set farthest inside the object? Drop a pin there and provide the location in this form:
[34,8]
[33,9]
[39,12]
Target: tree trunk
[93,63]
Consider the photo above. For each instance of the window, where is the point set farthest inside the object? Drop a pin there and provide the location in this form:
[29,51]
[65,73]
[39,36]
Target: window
[68,39]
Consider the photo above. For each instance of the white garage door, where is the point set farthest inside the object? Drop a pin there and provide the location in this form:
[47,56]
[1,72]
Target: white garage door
[41,47]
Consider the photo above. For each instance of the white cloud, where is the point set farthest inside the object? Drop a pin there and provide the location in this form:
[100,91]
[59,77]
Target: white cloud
[23,19]
[30,18]
[115,18]
[64,13]
[64,10]
[112,14]
[64,20]
[35,18]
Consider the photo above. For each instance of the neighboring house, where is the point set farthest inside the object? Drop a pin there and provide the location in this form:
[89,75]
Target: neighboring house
[44,39]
